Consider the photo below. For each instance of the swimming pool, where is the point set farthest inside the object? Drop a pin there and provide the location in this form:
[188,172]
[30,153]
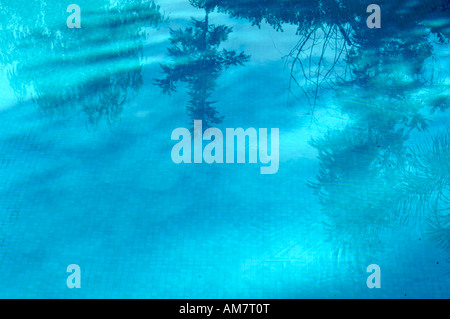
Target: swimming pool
[87,177]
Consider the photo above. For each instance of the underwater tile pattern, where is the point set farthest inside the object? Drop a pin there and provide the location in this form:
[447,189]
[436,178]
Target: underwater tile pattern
[87,178]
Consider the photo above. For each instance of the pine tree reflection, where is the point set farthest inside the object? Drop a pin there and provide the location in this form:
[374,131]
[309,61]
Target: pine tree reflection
[198,62]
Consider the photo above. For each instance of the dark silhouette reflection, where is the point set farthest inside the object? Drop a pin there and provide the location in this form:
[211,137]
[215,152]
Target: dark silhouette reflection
[382,83]
[198,62]
[94,69]
[328,30]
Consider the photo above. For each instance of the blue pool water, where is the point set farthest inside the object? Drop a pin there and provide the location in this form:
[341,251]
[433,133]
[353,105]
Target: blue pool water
[87,178]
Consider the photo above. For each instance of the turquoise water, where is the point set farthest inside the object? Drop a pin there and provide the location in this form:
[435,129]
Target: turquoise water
[87,176]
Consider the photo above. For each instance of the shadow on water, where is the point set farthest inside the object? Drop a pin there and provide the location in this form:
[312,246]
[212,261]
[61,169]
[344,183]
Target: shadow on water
[385,82]
[198,61]
[95,69]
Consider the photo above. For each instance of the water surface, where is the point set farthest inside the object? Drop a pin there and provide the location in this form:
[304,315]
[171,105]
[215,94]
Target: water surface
[87,176]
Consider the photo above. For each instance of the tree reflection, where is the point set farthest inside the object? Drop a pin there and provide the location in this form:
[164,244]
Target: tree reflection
[198,62]
[385,97]
[382,83]
[95,69]
[328,30]
[425,185]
